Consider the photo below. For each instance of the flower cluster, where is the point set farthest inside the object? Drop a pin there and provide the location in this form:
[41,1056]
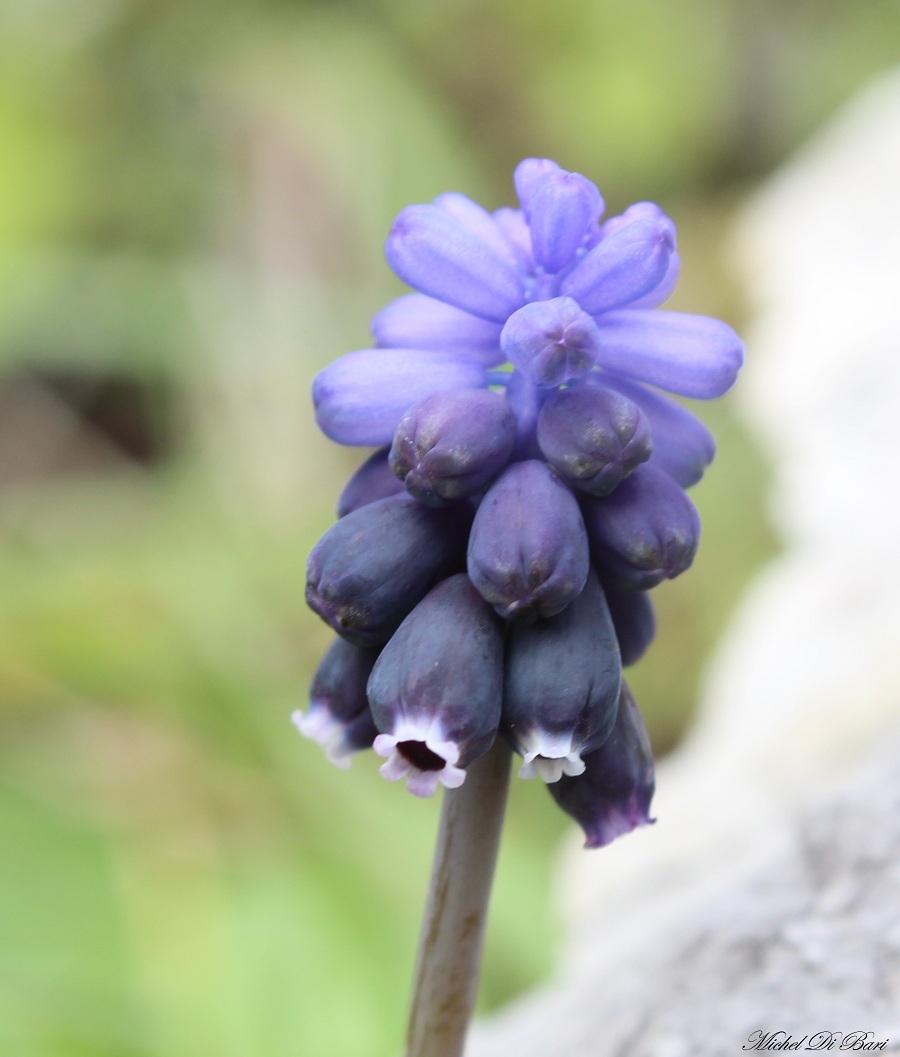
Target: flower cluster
[490,568]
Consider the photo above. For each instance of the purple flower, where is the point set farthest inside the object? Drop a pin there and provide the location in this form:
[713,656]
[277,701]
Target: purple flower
[528,552]
[515,396]
[548,287]
[632,616]
[647,531]
[450,445]
[612,796]
[561,686]
[593,436]
[375,564]
[339,717]
[435,691]
[372,481]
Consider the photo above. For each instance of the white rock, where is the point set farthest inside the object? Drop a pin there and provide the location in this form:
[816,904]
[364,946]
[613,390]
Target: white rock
[751,906]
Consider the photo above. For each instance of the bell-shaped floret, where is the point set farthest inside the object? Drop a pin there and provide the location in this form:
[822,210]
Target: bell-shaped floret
[685,354]
[593,436]
[370,569]
[361,397]
[438,254]
[373,480]
[450,445]
[561,686]
[551,342]
[623,267]
[682,445]
[646,531]
[528,552]
[613,795]
[633,618]
[339,717]
[436,689]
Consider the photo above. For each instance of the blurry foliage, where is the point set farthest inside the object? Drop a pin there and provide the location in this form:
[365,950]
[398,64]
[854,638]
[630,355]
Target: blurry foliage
[192,200]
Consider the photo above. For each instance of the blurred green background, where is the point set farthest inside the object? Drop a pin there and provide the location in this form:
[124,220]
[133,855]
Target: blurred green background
[193,197]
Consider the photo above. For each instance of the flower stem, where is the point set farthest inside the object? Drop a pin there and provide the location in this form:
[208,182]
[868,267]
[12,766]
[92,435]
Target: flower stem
[452,938]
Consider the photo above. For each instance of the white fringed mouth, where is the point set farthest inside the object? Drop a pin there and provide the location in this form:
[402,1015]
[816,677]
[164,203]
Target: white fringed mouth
[418,752]
[319,725]
[549,756]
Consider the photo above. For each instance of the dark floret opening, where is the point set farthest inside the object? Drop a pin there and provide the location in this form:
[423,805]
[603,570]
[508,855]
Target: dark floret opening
[419,755]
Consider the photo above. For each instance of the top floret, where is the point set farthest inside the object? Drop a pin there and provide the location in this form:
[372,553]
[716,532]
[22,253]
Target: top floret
[548,288]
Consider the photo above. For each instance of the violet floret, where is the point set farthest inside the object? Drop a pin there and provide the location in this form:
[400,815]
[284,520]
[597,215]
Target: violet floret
[528,551]
[436,689]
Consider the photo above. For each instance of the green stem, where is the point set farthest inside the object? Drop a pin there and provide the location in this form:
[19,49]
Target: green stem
[452,938]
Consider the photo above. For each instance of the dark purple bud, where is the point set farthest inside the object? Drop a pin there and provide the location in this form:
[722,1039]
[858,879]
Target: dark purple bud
[528,552]
[339,717]
[593,436]
[646,531]
[551,342]
[370,569]
[632,617]
[561,686]
[682,445]
[436,689]
[450,445]
[613,795]
[373,480]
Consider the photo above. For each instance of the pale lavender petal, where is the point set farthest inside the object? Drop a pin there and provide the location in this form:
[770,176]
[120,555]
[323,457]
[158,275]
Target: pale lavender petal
[532,171]
[648,211]
[361,397]
[415,321]
[623,267]
[691,355]
[562,206]
[479,222]
[660,294]
[439,256]
[514,226]
[529,172]
[682,445]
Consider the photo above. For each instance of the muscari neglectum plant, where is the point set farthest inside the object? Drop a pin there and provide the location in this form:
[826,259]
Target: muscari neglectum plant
[488,576]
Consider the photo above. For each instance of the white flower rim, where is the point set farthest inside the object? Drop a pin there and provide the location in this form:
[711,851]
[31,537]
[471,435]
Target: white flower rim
[319,725]
[549,756]
[429,732]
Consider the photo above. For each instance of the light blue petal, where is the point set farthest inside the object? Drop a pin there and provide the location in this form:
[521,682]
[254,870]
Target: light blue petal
[562,206]
[691,355]
[480,223]
[415,321]
[437,255]
[682,445]
[361,397]
[622,268]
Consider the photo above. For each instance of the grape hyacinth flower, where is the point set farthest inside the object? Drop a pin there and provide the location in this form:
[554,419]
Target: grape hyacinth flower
[497,551]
